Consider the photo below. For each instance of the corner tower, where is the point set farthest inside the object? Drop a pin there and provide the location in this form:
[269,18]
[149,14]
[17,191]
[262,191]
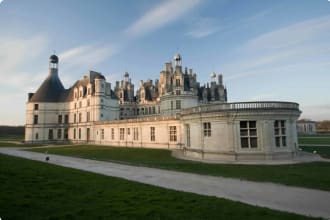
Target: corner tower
[43,107]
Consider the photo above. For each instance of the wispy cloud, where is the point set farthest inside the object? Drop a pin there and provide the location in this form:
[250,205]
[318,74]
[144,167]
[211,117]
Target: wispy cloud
[159,16]
[203,27]
[83,58]
[304,43]
[87,55]
[16,55]
[316,112]
[16,52]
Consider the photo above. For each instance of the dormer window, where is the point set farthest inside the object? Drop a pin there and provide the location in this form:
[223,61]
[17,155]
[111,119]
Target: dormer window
[177,82]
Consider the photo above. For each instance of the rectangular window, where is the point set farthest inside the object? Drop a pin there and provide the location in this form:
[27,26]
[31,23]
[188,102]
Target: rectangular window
[248,133]
[75,105]
[102,134]
[60,119]
[188,134]
[207,129]
[178,104]
[177,82]
[66,135]
[66,119]
[36,106]
[121,133]
[152,134]
[59,133]
[112,133]
[280,133]
[135,134]
[35,119]
[75,118]
[74,133]
[178,92]
[88,102]
[79,133]
[88,116]
[128,131]
[37,136]
[171,105]
[80,117]
[50,134]
[173,136]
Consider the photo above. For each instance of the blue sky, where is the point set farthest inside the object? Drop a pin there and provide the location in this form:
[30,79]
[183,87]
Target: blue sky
[266,50]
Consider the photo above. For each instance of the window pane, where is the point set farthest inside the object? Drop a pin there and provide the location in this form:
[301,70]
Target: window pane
[243,124]
[244,132]
[283,131]
[253,142]
[277,141]
[284,141]
[252,124]
[245,142]
[282,123]
[253,132]
[277,131]
[276,124]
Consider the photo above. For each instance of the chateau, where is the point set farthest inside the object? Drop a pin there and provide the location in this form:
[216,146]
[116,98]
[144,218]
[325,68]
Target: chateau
[174,112]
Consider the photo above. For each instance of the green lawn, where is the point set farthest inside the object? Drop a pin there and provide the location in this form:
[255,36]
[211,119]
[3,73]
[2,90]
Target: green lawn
[35,190]
[309,175]
[323,151]
[11,137]
[11,144]
[314,140]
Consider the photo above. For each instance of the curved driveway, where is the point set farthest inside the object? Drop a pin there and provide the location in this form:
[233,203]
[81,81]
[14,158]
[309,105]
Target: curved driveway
[279,197]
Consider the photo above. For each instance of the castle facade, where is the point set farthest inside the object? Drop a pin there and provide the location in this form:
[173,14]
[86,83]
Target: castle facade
[172,112]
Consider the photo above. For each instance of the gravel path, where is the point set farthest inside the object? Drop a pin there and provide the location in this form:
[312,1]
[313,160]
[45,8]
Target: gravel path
[308,202]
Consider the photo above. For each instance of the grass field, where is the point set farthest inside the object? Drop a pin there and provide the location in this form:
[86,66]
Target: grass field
[11,137]
[324,140]
[323,151]
[14,144]
[304,175]
[45,191]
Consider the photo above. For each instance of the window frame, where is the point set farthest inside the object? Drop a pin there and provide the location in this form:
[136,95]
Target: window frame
[280,136]
[152,134]
[248,134]
[173,133]
[207,129]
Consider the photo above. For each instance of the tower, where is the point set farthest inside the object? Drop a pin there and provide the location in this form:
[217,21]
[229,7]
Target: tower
[177,60]
[53,62]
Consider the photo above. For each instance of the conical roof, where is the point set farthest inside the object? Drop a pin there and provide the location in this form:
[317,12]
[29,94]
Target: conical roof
[50,90]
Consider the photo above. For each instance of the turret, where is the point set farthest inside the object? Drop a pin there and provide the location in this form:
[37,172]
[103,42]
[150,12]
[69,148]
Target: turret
[177,60]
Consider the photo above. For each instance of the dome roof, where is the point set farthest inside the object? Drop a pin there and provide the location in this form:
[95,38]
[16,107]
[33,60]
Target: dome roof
[126,75]
[177,57]
[53,59]
[49,91]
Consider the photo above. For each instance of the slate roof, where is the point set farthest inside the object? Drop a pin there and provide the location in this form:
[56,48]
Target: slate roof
[50,90]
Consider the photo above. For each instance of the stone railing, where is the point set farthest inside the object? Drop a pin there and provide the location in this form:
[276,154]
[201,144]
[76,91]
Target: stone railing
[141,119]
[242,106]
